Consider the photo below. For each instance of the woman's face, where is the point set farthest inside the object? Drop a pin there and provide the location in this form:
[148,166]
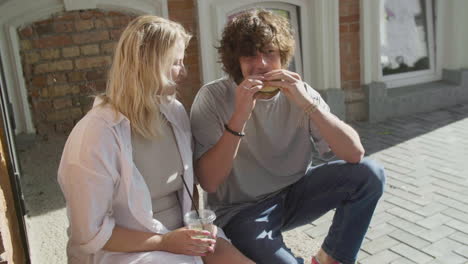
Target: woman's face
[178,69]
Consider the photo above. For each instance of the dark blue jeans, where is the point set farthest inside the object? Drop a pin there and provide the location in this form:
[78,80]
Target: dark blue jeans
[353,189]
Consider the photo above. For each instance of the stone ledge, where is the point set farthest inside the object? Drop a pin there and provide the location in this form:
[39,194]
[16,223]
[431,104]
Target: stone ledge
[383,103]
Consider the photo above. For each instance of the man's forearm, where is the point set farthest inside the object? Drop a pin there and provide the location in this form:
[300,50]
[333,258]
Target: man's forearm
[214,166]
[342,138]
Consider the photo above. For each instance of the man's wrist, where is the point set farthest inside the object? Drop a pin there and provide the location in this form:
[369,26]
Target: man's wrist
[312,100]
[235,133]
[237,123]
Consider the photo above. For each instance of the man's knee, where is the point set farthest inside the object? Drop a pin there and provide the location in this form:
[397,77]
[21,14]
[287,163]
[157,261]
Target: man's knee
[375,174]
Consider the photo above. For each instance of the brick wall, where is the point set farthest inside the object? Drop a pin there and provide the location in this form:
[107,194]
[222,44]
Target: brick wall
[350,59]
[2,250]
[65,60]
[184,12]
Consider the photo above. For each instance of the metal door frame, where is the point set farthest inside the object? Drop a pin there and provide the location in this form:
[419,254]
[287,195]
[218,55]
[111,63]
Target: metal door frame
[12,162]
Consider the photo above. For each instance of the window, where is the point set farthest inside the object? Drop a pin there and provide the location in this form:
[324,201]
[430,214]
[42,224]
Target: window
[406,37]
[401,47]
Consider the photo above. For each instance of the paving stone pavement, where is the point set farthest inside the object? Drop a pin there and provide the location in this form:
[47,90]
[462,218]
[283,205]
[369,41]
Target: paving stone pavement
[423,214]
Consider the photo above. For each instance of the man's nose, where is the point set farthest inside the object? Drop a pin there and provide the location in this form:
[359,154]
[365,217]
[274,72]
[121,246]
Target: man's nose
[260,59]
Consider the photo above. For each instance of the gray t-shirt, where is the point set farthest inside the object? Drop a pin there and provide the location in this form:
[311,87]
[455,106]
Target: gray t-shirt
[160,164]
[275,152]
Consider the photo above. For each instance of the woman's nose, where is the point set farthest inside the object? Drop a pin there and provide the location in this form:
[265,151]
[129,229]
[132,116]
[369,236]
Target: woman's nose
[183,71]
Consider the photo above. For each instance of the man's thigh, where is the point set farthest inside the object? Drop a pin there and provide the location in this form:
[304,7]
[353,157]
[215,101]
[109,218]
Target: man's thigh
[324,188]
[256,232]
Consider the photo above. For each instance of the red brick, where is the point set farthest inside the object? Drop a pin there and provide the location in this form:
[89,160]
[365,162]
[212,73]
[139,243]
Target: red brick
[103,23]
[67,16]
[25,44]
[90,37]
[43,22]
[26,32]
[48,54]
[92,49]
[95,75]
[344,28]
[93,87]
[31,57]
[62,103]
[53,66]
[86,14]
[53,41]
[44,92]
[44,29]
[354,27]
[180,4]
[121,21]
[85,100]
[34,93]
[76,112]
[62,90]
[99,13]
[58,115]
[100,85]
[39,81]
[349,19]
[108,48]
[56,78]
[93,62]
[84,25]
[64,27]
[71,52]
[76,76]
[64,127]
[115,33]
[354,8]
[42,106]
[115,14]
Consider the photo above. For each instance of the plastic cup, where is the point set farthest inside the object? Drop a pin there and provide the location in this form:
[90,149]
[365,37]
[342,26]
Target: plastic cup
[204,222]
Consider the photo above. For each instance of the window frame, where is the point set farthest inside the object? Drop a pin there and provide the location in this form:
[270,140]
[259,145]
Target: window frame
[370,48]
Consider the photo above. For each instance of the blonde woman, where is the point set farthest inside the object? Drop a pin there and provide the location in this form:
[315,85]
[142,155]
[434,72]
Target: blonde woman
[123,166]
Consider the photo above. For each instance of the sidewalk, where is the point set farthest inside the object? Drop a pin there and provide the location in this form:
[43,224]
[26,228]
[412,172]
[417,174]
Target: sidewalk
[423,214]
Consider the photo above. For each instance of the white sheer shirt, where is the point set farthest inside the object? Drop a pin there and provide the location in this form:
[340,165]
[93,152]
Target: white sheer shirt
[103,187]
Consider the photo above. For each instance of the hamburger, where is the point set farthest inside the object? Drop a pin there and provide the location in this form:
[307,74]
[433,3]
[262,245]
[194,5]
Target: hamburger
[269,89]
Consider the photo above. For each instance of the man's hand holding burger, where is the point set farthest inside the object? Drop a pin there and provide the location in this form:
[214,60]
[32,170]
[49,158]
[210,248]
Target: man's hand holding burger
[291,84]
[245,101]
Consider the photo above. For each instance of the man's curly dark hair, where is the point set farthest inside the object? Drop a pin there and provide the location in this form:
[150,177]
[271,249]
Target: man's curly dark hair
[252,31]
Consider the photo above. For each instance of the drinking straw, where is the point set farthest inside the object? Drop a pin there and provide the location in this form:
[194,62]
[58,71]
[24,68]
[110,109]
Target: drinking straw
[191,198]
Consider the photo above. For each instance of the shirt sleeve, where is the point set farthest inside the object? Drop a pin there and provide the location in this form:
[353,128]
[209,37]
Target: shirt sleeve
[88,174]
[207,126]
[320,144]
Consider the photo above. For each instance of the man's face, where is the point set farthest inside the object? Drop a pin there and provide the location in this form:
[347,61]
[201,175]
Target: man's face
[263,61]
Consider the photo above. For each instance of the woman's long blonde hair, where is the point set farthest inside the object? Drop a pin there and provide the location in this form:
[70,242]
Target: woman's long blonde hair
[140,71]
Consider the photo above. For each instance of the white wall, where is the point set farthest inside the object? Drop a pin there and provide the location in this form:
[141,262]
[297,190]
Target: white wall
[454,34]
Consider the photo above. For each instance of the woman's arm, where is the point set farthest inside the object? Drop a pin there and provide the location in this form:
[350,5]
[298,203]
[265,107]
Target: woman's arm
[179,241]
